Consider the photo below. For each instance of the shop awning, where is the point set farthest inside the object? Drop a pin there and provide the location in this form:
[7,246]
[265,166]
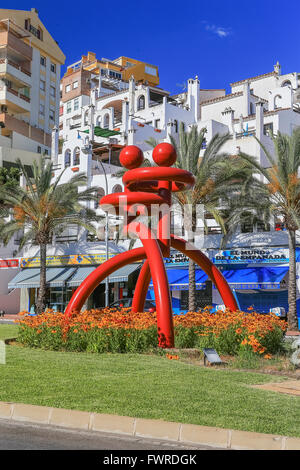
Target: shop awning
[100,132]
[55,277]
[179,279]
[121,275]
[256,278]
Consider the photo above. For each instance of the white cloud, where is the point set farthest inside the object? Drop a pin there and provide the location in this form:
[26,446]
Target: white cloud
[218,30]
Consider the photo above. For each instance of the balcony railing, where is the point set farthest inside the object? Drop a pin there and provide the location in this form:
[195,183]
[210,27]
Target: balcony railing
[15,92]
[15,65]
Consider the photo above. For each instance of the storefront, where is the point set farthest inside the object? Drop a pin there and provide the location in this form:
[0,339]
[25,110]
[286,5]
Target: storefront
[63,280]
[258,278]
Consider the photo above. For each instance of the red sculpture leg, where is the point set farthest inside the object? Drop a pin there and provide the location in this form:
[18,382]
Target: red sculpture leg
[210,269]
[141,288]
[161,286]
[101,272]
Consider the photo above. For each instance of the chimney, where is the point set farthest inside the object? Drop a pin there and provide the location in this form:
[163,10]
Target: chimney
[193,97]
[228,116]
[246,98]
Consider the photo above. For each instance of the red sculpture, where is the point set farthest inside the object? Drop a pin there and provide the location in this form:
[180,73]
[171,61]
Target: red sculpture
[145,187]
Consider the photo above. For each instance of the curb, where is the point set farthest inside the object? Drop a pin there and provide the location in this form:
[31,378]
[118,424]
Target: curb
[151,428]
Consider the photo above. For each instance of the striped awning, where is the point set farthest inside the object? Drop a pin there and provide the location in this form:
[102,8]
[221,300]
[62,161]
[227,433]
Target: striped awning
[55,277]
[121,275]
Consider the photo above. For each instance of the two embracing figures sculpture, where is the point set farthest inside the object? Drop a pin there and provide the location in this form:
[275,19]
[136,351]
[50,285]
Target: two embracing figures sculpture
[146,187]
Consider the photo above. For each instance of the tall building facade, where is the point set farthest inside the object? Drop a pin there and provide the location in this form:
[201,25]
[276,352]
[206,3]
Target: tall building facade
[30,63]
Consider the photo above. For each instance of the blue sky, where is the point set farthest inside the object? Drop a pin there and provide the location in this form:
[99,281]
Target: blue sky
[220,41]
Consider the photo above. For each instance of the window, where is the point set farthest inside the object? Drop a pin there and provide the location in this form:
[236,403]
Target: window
[262,227]
[268,128]
[75,84]
[46,152]
[114,74]
[39,149]
[176,126]
[42,85]
[117,188]
[67,158]
[52,91]
[141,102]
[157,123]
[67,88]
[69,106]
[76,156]
[52,115]
[68,122]
[247,228]
[106,121]
[43,61]
[150,70]
[86,118]
[42,109]
[53,68]
[76,104]
[100,194]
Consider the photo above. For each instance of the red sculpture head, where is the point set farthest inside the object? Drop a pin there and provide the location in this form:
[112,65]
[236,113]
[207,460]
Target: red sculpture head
[164,154]
[131,157]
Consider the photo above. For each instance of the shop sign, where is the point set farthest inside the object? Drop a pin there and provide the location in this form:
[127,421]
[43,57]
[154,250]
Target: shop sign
[9,263]
[66,260]
[241,256]
[177,259]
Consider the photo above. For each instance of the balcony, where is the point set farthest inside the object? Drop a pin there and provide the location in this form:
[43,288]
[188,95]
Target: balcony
[12,69]
[12,42]
[14,99]
[13,124]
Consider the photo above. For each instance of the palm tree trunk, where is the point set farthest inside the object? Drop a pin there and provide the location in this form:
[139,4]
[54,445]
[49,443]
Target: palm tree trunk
[41,300]
[292,295]
[192,268]
[192,286]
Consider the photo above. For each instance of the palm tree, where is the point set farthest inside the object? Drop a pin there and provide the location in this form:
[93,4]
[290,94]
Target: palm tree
[45,208]
[282,183]
[219,177]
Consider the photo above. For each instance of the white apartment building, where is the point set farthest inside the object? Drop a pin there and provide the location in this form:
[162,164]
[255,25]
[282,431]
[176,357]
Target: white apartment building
[30,62]
[113,112]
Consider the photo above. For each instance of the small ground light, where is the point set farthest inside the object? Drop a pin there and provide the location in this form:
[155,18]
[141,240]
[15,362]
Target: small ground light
[211,356]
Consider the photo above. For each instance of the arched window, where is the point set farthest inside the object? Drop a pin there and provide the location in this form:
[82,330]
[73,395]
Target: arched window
[286,83]
[106,121]
[67,158]
[86,118]
[76,156]
[100,194]
[277,104]
[98,121]
[141,102]
[117,188]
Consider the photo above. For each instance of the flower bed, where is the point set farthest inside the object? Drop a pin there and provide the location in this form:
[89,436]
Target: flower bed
[111,330]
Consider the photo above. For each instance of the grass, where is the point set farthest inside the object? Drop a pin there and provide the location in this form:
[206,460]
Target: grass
[8,331]
[146,386]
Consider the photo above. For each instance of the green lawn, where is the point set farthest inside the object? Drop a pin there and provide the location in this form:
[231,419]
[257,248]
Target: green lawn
[8,331]
[146,386]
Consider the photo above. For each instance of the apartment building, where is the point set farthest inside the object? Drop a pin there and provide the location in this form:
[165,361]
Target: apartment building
[105,114]
[30,62]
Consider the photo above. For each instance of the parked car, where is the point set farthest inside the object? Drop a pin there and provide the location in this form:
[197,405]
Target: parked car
[127,302]
[279,311]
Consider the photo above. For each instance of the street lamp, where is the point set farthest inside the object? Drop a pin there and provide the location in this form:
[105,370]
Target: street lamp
[89,149]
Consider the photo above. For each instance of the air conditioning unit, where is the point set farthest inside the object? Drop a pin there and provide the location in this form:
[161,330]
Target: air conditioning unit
[3,108]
